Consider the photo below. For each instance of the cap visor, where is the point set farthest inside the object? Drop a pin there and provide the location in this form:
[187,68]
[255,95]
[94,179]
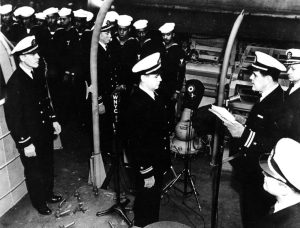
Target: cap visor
[158,71]
[289,62]
[106,28]
[250,67]
[263,163]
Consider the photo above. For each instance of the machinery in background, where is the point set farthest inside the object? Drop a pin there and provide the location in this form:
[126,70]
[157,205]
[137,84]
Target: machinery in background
[207,69]
[240,79]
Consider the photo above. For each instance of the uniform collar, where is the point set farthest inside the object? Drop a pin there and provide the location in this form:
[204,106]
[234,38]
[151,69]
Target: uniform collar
[149,92]
[267,92]
[295,87]
[287,202]
[171,45]
[103,45]
[26,70]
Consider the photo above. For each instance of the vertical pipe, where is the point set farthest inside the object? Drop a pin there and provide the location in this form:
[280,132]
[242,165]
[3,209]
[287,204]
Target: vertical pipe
[99,171]
[217,149]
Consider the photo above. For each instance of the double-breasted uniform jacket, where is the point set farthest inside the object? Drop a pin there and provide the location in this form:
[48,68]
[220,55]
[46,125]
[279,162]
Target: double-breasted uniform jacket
[285,218]
[108,78]
[258,138]
[260,134]
[107,83]
[30,118]
[147,134]
[28,110]
[288,122]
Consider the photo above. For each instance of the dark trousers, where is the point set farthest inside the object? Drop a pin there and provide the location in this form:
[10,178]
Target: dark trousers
[39,173]
[147,201]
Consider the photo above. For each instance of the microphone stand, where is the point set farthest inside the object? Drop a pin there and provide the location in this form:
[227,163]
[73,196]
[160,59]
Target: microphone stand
[118,207]
[187,167]
[187,178]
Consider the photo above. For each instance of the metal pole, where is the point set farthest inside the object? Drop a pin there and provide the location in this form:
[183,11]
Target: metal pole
[99,171]
[217,148]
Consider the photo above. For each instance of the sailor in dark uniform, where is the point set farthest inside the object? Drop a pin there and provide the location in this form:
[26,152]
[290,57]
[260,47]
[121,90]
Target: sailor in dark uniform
[148,140]
[289,120]
[149,43]
[6,20]
[81,60]
[50,47]
[125,52]
[32,123]
[173,73]
[257,136]
[40,19]
[22,28]
[66,39]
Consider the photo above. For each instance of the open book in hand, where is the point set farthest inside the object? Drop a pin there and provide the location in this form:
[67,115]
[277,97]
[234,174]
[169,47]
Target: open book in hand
[222,113]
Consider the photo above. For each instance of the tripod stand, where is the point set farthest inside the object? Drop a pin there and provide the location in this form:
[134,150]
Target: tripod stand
[114,170]
[186,172]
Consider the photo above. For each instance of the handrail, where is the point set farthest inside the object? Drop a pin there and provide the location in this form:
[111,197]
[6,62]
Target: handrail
[11,190]
[10,161]
[4,135]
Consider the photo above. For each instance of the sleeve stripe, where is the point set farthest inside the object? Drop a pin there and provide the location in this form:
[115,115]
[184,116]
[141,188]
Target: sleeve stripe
[25,140]
[250,139]
[146,170]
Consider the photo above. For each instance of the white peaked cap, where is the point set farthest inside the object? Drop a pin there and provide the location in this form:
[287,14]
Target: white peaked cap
[283,162]
[25,46]
[264,62]
[293,56]
[148,65]
[112,16]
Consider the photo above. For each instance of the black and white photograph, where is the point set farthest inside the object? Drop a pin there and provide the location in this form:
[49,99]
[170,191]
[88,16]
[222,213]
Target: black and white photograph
[149,114]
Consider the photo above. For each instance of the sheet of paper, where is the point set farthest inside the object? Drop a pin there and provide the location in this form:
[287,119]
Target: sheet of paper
[222,113]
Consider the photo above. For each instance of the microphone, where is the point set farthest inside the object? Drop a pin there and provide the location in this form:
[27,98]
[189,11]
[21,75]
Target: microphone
[232,99]
[193,94]
[191,91]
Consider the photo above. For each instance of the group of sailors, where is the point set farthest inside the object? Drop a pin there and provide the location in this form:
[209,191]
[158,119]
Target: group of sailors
[60,41]
[128,67]
[64,39]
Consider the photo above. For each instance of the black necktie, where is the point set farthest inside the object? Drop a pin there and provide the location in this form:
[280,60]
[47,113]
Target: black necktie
[290,88]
